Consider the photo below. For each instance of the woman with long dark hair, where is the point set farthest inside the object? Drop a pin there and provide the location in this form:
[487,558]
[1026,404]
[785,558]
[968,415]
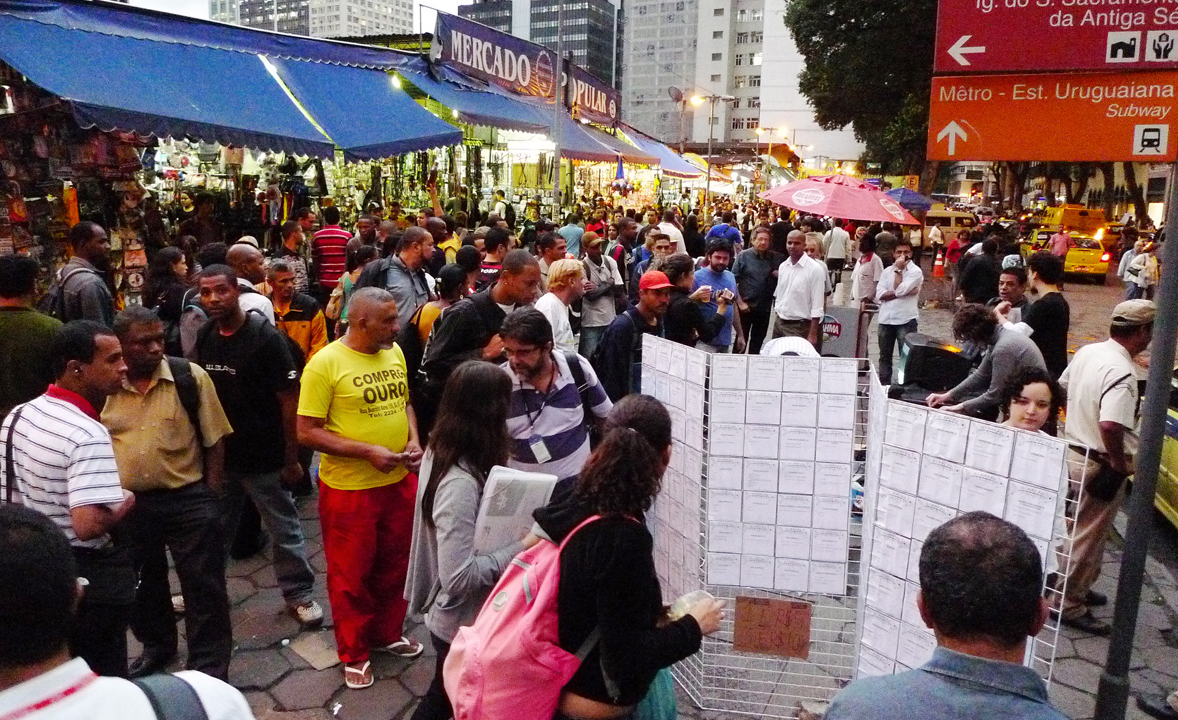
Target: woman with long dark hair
[167,283]
[607,575]
[448,581]
[692,237]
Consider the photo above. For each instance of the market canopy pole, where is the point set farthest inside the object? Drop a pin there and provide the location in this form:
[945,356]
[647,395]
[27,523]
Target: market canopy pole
[556,124]
[1112,694]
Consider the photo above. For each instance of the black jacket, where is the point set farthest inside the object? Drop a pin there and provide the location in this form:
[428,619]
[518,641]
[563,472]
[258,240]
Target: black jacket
[686,321]
[608,581]
[619,351]
[460,334]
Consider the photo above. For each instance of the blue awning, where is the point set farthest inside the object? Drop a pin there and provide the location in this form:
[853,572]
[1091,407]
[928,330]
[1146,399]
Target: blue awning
[628,152]
[117,19]
[671,162]
[478,107]
[160,89]
[362,112]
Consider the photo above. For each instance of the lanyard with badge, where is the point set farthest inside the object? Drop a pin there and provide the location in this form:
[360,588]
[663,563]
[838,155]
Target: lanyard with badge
[535,441]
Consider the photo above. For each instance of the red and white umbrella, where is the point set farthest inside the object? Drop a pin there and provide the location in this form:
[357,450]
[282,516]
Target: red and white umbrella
[839,196]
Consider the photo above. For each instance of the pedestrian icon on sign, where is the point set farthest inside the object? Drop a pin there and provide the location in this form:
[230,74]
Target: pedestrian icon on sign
[1123,47]
[1151,139]
[1160,46]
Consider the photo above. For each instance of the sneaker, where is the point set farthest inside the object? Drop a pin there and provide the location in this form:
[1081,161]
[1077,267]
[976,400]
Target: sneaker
[404,648]
[178,606]
[309,614]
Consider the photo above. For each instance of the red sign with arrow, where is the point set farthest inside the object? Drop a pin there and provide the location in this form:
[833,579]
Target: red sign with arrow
[983,36]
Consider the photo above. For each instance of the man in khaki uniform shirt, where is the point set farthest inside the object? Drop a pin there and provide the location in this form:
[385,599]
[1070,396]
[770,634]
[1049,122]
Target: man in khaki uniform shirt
[175,471]
[1101,382]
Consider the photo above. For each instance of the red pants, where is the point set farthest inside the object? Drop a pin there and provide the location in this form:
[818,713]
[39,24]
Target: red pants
[366,536]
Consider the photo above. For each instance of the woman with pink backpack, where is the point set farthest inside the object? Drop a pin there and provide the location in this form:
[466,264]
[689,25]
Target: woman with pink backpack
[576,628]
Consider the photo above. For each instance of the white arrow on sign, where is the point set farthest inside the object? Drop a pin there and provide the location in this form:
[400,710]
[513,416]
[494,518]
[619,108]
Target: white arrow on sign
[959,51]
[952,131]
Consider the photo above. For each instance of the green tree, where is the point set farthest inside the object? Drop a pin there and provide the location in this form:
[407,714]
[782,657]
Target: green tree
[869,65]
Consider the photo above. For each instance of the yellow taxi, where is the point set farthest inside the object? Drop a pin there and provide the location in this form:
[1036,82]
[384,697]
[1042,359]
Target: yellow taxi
[1166,499]
[1086,257]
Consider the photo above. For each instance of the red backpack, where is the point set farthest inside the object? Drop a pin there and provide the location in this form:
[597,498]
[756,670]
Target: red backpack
[508,665]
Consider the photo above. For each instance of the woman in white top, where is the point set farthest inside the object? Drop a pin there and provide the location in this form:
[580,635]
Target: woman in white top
[868,269]
[566,283]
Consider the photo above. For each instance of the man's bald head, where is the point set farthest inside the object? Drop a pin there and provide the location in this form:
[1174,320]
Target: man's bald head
[248,261]
[437,227]
[365,300]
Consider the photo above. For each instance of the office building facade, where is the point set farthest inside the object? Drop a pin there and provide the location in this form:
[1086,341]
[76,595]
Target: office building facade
[319,18]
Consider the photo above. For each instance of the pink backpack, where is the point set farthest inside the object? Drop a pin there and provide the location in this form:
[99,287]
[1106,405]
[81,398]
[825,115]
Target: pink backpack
[508,665]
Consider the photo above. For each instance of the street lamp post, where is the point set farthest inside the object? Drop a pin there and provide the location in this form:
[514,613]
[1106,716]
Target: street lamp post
[698,100]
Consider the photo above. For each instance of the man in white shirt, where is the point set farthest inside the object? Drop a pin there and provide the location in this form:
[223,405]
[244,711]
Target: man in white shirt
[1101,383]
[898,292]
[64,467]
[834,249]
[39,680]
[800,297]
[671,230]
[566,284]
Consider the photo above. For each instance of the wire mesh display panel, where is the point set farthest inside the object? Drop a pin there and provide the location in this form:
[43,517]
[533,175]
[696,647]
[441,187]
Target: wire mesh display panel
[926,468]
[733,492]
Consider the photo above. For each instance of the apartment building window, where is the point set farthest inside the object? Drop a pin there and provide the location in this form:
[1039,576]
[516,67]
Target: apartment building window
[754,102]
[738,123]
[752,123]
[755,58]
[716,78]
[756,36]
[740,81]
[716,57]
[714,120]
[741,15]
[739,60]
[717,34]
[756,15]
[718,12]
[742,38]
[755,81]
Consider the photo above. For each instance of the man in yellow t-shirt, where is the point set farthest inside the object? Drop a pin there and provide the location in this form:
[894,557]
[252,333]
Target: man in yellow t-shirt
[354,409]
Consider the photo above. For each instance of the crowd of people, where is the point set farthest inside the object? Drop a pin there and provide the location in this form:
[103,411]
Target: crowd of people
[408,358]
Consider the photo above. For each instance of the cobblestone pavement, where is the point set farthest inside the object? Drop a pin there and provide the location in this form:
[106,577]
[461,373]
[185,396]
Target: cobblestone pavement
[271,663]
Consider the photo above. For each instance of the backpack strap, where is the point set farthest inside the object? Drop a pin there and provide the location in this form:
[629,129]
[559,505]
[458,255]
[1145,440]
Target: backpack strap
[188,391]
[9,463]
[578,373]
[171,698]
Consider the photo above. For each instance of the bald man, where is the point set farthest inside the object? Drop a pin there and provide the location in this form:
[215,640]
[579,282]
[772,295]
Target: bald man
[402,274]
[354,409]
[250,265]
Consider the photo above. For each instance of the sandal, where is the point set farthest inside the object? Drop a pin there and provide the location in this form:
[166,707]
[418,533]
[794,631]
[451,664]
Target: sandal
[404,648]
[358,678]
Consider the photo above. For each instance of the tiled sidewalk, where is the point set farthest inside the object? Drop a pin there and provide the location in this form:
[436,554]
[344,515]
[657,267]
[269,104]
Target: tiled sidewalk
[281,685]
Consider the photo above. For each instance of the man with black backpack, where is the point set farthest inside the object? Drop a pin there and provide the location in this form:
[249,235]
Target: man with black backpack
[40,681]
[168,431]
[555,398]
[79,291]
[257,381]
[618,357]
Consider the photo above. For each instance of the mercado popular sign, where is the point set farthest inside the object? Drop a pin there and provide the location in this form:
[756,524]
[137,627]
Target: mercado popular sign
[1065,35]
[520,66]
[505,60]
[591,99]
[1081,117]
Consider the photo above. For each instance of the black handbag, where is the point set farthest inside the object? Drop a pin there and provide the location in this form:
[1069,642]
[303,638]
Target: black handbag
[1105,482]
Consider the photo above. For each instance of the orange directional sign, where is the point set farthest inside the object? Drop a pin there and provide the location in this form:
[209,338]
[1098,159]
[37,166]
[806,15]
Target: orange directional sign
[1094,117]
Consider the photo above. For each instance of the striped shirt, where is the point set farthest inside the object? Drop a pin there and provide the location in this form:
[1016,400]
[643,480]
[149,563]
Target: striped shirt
[556,418]
[329,253]
[63,459]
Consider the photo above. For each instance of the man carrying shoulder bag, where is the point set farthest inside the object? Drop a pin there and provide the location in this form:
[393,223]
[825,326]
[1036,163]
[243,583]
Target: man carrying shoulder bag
[1101,382]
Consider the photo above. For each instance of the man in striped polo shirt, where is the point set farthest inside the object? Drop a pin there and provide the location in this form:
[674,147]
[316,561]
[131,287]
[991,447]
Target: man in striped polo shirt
[548,421]
[64,467]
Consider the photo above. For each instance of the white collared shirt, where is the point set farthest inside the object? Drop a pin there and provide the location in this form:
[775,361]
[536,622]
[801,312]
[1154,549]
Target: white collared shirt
[801,289]
[903,308]
[1101,382]
[108,698]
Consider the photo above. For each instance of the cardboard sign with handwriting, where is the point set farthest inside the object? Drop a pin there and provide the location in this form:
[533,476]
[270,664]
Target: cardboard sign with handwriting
[772,627]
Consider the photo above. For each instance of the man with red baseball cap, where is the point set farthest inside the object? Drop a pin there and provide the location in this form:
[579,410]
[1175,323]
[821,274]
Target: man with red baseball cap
[618,357]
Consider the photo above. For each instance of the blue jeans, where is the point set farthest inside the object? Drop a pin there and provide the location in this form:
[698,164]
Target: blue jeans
[889,336]
[281,519]
[590,337]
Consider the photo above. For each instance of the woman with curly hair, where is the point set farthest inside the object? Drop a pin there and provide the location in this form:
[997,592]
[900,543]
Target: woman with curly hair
[607,575]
